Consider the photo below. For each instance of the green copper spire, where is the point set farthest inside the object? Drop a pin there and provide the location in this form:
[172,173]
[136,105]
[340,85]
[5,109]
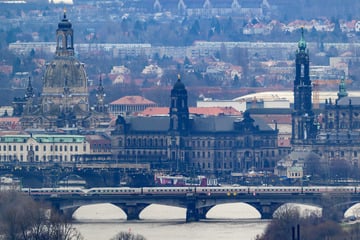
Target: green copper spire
[302,42]
[342,89]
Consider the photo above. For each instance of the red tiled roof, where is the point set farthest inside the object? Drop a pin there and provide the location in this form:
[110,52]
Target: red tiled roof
[132,100]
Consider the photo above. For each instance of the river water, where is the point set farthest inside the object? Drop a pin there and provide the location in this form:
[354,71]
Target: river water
[236,221]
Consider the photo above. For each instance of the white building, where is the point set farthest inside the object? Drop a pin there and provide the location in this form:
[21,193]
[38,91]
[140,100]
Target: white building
[43,148]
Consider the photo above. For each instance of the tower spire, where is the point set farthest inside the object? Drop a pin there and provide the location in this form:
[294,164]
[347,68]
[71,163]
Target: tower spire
[302,42]
[29,90]
[64,38]
[303,128]
[342,89]
[100,96]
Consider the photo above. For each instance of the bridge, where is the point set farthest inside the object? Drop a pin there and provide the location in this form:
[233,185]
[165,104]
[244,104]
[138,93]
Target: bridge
[197,205]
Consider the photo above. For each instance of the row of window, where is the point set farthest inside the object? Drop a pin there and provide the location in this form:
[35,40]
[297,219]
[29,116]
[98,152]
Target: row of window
[144,142]
[209,166]
[36,148]
[38,158]
[341,153]
[230,154]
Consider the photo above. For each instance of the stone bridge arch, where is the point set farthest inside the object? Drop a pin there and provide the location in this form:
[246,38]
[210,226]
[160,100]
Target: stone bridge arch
[350,205]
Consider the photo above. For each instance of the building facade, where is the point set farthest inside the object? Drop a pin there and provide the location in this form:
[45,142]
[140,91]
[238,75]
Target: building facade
[179,142]
[333,133]
[43,148]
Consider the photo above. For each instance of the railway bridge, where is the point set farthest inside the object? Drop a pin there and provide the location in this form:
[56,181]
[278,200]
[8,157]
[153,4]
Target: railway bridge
[197,205]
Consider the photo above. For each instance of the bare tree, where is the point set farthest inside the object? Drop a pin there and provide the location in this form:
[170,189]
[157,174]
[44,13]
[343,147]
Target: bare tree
[287,221]
[23,218]
[128,236]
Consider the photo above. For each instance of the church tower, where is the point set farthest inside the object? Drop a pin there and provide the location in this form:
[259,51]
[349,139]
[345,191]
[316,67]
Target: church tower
[64,38]
[342,89]
[65,84]
[64,100]
[179,110]
[100,98]
[303,127]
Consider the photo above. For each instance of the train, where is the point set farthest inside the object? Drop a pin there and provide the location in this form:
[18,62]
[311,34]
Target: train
[191,190]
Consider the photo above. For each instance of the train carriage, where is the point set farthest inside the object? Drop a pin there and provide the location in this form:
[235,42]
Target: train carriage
[168,190]
[222,190]
[54,192]
[328,189]
[275,190]
[112,191]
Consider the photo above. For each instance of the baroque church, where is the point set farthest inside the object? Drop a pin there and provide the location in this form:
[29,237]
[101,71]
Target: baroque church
[333,132]
[64,100]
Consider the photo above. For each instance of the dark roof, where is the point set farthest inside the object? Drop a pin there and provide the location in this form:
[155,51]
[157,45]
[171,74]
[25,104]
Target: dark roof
[263,126]
[199,124]
[269,111]
[149,124]
[214,124]
[346,100]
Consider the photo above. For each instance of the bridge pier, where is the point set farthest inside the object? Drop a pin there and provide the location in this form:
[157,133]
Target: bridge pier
[132,211]
[266,209]
[203,211]
[192,214]
[68,212]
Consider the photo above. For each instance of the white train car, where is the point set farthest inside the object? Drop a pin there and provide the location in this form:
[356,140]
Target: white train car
[168,190]
[53,192]
[275,190]
[112,191]
[328,189]
[233,191]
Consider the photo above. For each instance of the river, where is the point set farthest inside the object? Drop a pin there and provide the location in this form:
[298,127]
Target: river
[228,221]
[235,221]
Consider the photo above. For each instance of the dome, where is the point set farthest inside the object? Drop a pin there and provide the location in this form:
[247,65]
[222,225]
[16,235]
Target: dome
[64,24]
[65,71]
[179,85]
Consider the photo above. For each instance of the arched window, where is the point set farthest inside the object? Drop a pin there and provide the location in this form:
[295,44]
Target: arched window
[68,41]
[60,41]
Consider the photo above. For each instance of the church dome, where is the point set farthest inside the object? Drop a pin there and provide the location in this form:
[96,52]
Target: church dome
[64,24]
[65,72]
[179,85]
